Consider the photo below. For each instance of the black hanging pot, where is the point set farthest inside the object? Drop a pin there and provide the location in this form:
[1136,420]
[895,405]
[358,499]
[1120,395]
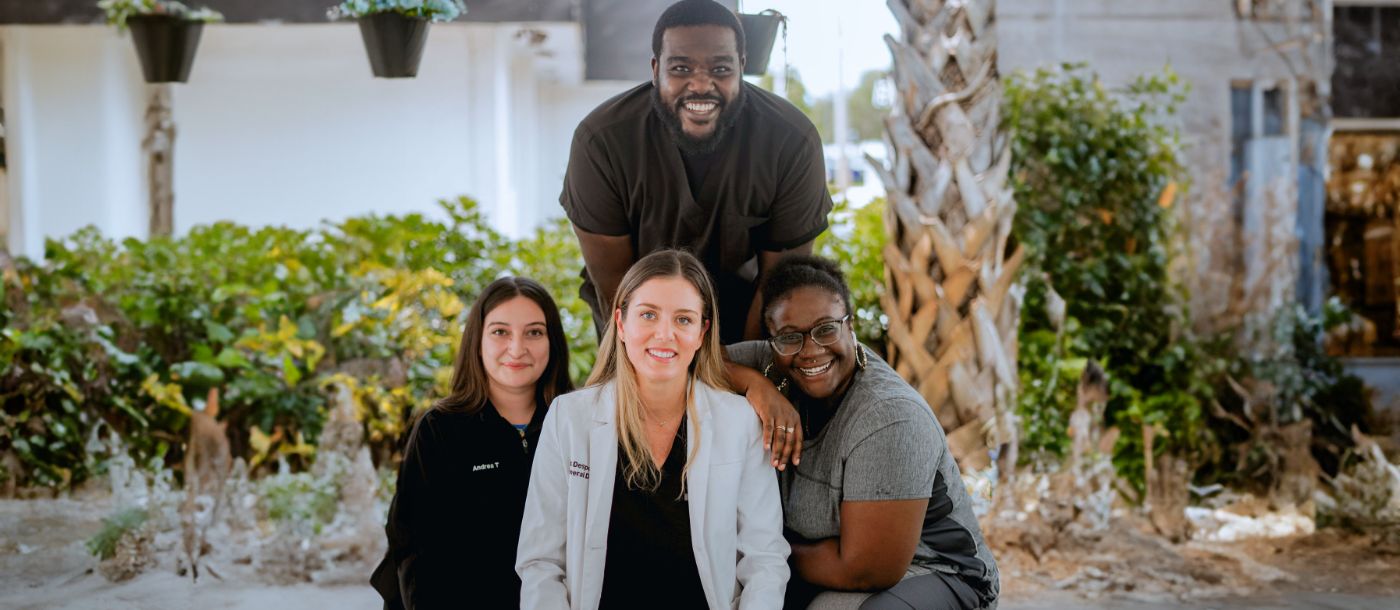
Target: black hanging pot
[760,30]
[394,43]
[165,45]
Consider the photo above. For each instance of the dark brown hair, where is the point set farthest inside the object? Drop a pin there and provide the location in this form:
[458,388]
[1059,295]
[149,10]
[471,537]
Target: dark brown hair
[795,271]
[470,385]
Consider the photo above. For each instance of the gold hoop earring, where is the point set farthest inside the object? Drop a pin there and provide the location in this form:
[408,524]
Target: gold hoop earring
[862,358]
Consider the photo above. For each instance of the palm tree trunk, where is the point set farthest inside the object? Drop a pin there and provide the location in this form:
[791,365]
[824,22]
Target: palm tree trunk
[953,309]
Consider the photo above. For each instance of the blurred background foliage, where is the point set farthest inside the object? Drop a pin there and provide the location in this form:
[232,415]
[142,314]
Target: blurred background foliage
[131,335]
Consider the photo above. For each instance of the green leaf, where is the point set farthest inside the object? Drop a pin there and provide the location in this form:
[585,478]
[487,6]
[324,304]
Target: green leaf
[197,375]
[290,373]
[231,358]
[218,333]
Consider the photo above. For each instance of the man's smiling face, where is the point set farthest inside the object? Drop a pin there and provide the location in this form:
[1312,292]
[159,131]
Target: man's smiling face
[698,81]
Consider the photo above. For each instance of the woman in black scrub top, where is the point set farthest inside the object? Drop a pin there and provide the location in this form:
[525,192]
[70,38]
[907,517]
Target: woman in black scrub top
[455,519]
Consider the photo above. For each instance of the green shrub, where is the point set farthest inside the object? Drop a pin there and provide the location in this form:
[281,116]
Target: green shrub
[1090,168]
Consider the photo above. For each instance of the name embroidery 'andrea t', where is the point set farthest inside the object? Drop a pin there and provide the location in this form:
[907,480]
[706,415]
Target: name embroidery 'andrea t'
[578,470]
[481,467]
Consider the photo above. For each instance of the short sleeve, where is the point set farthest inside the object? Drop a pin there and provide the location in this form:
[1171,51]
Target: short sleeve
[799,210]
[894,462]
[592,195]
[753,354]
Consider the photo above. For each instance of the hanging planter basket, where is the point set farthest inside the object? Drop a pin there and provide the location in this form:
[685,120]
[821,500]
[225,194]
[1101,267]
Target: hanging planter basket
[760,31]
[165,45]
[394,43]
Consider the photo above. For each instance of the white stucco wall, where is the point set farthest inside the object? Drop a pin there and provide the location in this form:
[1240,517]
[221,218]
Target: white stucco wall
[73,135]
[283,124]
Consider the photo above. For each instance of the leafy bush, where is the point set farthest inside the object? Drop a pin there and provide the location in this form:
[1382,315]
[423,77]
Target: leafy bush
[1094,170]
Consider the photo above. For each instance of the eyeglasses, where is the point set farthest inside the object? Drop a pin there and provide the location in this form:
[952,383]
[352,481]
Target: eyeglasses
[823,334]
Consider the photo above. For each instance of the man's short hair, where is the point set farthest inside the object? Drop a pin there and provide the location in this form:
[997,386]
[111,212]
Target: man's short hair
[696,12]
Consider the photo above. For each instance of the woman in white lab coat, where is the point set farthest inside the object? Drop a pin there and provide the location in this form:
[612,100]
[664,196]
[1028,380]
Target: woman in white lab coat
[650,487]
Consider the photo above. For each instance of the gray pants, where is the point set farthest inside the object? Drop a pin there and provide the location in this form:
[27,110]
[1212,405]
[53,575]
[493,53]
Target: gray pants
[920,589]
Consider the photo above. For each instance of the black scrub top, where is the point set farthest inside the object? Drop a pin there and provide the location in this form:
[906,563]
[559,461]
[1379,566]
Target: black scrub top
[650,561]
[764,190]
[454,523]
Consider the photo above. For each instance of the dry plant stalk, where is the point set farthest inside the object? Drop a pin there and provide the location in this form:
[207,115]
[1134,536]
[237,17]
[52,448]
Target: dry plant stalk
[1367,495]
[207,464]
[949,293]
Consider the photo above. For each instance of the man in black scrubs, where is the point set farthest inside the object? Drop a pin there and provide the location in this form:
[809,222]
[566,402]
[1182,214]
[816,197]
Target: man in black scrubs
[695,159]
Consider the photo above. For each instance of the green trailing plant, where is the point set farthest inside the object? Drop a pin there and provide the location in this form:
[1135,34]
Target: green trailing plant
[432,10]
[118,11]
[1095,171]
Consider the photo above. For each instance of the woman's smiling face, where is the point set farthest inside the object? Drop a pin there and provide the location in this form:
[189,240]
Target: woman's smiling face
[820,371]
[515,345]
[663,328]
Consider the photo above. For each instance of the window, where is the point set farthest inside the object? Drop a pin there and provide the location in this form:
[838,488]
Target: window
[1363,239]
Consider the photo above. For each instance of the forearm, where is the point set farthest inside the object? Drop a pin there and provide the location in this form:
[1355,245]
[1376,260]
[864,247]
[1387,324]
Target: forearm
[606,258]
[743,378]
[821,563]
[605,281]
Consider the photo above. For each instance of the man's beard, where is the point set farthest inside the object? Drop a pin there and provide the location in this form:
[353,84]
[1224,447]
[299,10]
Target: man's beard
[691,146]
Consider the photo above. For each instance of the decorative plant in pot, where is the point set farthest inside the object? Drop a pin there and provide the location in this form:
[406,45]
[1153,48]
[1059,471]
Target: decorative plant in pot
[394,31]
[760,31]
[166,33]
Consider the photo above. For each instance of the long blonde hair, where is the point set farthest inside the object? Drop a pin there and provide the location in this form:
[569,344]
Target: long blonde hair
[641,471]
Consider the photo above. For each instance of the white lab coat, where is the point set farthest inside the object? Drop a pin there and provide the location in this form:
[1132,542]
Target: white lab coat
[736,520]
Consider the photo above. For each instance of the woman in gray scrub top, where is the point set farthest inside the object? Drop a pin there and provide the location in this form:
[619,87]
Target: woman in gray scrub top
[874,507]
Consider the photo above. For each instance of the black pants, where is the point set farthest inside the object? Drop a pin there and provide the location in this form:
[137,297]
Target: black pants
[931,591]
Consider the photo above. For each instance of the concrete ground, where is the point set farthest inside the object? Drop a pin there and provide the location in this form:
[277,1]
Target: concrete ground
[44,565]
[1285,601]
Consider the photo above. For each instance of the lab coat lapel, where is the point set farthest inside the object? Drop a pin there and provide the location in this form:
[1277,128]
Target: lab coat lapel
[602,464]
[697,487]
